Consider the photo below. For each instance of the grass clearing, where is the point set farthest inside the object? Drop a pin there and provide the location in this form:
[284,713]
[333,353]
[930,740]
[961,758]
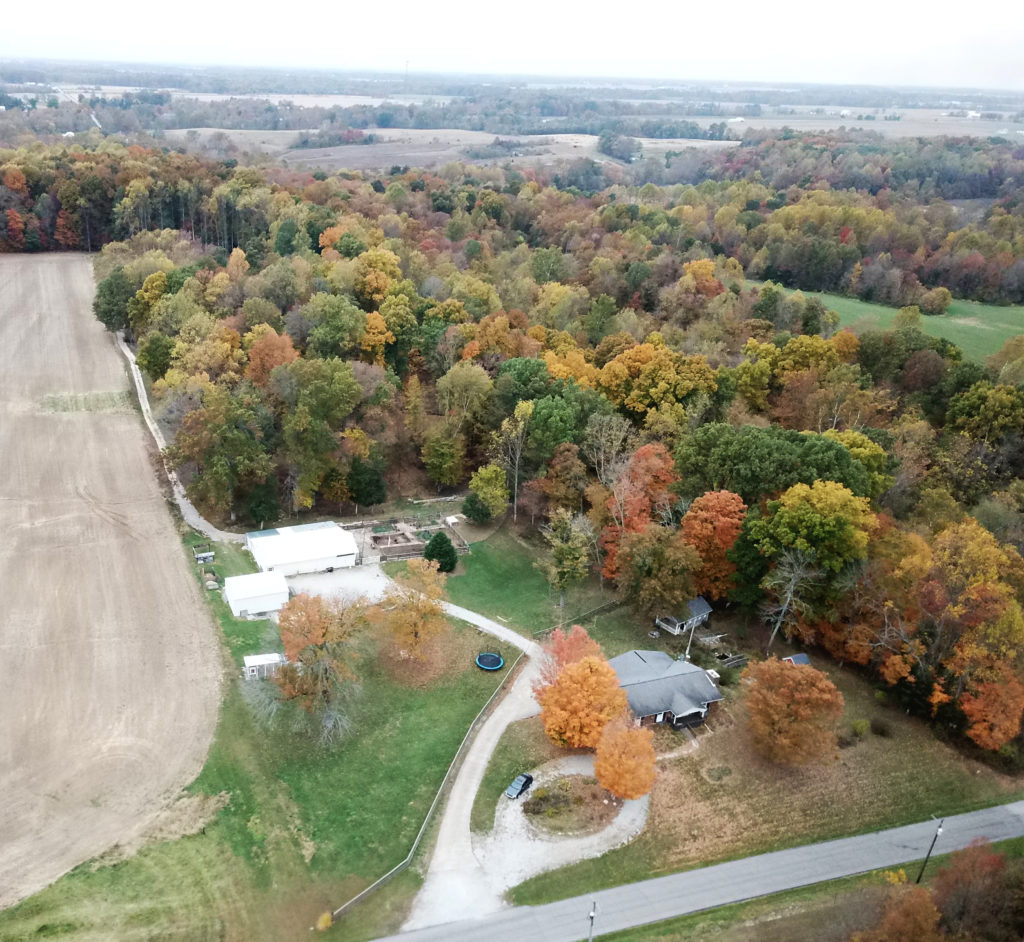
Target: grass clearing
[699,815]
[977,329]
[304,829]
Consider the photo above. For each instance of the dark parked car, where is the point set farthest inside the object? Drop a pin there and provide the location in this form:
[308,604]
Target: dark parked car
[521,783]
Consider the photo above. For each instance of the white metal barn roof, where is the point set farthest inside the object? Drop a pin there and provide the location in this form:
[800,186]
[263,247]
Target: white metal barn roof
[272,548]
[254,585]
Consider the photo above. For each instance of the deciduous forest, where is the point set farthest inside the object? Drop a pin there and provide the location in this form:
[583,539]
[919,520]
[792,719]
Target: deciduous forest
[635,368]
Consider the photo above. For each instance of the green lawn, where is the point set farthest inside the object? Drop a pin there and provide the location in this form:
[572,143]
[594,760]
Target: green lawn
[303,829]
[522,747]
[498,579]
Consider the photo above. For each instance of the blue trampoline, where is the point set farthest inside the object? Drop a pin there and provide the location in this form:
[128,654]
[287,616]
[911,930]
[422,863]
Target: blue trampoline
[489,661]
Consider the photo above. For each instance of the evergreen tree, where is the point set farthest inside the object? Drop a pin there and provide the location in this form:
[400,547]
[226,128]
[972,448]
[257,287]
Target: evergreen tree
[440,550]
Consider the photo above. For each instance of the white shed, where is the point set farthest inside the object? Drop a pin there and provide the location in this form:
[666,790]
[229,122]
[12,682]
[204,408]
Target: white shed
[256,593]
[262,665]
[311,547]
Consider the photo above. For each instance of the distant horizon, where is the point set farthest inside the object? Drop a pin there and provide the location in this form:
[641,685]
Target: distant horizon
[878,44]
[358,73]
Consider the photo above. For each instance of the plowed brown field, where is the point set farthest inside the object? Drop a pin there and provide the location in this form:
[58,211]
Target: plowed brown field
[109,666]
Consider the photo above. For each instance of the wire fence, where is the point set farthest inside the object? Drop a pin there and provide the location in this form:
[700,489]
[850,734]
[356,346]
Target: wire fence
[593,613]
[446,781]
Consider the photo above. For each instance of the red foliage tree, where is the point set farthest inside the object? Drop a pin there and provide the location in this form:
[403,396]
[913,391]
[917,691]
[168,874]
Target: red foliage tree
[636,494]
[64,233]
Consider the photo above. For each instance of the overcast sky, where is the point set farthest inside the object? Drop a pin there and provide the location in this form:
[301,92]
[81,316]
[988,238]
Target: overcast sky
[878,42]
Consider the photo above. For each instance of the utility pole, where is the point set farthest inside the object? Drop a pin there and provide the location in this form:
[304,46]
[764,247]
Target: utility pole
[593,913]
[931,847]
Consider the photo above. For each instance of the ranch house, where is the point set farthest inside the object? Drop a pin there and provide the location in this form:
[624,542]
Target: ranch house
[661,689]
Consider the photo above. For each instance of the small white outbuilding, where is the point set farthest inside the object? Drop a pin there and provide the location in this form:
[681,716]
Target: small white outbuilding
[262,665]
[255,594]
[311,547]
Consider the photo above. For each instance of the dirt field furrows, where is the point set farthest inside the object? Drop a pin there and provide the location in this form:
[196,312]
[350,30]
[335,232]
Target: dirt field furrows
[109,667]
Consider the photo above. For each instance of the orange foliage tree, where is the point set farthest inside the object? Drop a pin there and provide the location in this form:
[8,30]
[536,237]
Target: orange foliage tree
[561,649]
[583,699]
[711,527]
[271,349]
[411,613]
[909,916]
[625,762]
[792,711]
[994,708]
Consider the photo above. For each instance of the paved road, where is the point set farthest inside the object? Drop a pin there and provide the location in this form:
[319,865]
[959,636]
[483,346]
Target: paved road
[653,900]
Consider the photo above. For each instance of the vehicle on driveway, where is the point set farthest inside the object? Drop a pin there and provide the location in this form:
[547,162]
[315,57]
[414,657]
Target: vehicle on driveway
[519,785]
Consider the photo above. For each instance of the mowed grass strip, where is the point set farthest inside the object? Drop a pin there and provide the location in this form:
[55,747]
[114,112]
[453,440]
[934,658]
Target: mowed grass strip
[304,828]
[978,329]
[724,801]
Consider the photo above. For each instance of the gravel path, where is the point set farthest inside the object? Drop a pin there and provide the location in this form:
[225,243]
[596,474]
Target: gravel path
[469,876]
[188,511]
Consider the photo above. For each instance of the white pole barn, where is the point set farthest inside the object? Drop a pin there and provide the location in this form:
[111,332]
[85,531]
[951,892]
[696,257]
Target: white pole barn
[311,547]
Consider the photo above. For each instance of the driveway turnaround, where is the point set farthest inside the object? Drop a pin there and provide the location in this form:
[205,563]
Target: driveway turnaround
[638,904]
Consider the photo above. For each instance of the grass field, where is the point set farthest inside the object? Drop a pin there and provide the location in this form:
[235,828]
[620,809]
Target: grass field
[302,829]
[978,329]
[724,801]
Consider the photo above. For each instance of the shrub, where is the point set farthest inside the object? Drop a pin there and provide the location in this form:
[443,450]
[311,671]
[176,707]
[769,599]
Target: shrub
[881,697]
[860,728]
[882,728]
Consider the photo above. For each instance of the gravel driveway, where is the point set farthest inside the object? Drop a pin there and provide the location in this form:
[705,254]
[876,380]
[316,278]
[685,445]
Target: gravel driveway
[516,850]
[359,581]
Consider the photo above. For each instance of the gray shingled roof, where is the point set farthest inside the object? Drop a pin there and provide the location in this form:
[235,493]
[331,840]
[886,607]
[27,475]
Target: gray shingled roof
[655,682]
[698,606]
